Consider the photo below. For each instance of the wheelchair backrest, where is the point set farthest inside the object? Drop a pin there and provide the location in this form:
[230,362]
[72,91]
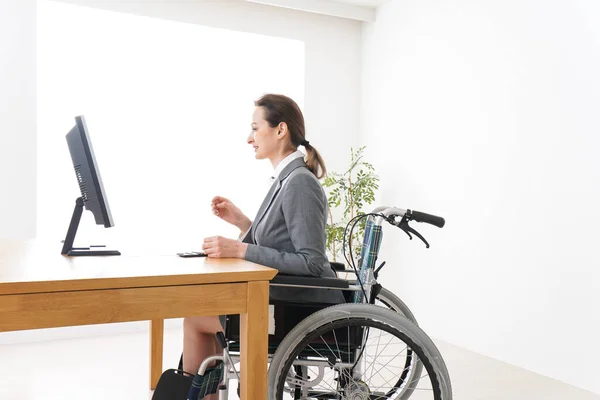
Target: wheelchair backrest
[368,253]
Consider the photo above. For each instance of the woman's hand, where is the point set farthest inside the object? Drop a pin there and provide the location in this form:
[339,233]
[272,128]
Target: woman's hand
[220,247]
[227,211]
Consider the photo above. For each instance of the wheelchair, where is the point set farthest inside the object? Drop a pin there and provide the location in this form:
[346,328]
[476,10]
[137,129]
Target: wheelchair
[370,347]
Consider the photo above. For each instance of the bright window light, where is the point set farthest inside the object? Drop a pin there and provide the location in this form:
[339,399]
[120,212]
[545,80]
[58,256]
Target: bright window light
[168,106]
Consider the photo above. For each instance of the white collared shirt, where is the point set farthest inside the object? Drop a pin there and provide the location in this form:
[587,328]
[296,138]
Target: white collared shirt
[282,164]
[285,162]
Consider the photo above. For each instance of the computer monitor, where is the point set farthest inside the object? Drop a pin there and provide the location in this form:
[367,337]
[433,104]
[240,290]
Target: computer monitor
[92,197]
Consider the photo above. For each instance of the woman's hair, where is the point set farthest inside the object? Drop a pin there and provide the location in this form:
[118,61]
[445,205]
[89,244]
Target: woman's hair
[279,108]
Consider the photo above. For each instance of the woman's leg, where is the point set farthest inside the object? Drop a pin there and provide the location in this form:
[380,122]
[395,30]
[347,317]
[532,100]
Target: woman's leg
[199,342]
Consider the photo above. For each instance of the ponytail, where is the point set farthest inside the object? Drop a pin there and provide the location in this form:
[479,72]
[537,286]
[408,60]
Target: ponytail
[314,161]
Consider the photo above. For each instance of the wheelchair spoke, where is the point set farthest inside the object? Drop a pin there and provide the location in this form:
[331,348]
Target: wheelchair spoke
[336,345]
[327,386]
[327,344]
[344,370]
[340,355]
[378,342]
[347,336]
[405,384]
[375,364]
[389,365]
[384,348]
[367,347]
[408,383]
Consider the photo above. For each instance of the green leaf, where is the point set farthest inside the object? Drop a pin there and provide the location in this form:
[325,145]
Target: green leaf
[350,191]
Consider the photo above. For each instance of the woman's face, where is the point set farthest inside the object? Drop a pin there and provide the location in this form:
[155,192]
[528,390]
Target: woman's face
[263,138]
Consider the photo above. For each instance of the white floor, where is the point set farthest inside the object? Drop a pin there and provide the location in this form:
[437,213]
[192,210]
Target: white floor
[116,367]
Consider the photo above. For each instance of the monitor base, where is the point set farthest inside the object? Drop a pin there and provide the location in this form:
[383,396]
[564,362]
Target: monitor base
[92,252]
[69,250]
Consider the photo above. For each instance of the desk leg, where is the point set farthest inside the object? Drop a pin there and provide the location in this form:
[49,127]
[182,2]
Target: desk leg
[254,333]
[156,351]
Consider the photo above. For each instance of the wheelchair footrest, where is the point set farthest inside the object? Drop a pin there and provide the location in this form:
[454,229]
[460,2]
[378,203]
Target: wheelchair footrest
[174,384]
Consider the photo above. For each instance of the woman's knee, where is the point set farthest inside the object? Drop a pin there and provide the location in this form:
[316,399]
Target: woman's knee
[203,324]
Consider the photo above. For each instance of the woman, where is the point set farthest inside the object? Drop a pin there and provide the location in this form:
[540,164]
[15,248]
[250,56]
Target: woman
[288,233]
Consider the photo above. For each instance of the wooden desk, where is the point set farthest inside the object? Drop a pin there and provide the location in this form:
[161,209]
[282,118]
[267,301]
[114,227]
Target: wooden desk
[39,288]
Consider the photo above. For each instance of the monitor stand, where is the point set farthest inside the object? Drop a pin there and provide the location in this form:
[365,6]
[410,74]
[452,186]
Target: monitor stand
[68,248]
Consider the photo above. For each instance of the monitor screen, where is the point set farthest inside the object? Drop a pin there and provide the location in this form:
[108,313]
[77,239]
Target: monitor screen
[93,196]
[87,173]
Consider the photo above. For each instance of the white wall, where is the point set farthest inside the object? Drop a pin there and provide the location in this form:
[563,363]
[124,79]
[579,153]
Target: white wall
[487,113]
[17,119]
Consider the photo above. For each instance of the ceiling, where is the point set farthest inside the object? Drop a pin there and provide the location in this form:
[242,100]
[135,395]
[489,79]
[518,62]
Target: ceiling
[361,10]
[364,3]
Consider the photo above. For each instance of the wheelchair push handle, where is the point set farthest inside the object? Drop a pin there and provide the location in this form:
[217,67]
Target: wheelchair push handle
[427,218]
[391,214]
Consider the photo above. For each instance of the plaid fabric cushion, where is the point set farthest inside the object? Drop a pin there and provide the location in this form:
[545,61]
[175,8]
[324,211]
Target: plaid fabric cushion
[369,252]
[206,384]
[365,244]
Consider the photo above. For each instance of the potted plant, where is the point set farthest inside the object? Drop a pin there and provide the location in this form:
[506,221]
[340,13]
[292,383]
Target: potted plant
[348,193]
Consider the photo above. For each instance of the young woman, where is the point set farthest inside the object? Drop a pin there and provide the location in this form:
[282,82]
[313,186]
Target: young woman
[288,232]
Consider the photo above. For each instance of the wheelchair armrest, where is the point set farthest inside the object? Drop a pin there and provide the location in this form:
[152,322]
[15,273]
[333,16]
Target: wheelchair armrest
[309,281]
[336,266]
[340,267]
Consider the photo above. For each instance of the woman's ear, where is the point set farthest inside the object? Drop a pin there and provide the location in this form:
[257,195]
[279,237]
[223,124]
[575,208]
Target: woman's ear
[282,129]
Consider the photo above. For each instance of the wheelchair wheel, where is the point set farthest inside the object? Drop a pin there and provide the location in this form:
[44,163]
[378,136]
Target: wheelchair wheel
[387,299]
[413,367]
[356,351]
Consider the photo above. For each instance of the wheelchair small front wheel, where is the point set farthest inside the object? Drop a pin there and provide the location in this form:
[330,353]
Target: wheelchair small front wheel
[357,351]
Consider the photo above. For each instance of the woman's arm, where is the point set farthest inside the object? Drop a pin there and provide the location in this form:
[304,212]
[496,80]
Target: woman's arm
[229,212]
[304,207]
[244,226]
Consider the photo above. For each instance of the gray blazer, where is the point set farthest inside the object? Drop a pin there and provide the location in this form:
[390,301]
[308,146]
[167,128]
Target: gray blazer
[290,231]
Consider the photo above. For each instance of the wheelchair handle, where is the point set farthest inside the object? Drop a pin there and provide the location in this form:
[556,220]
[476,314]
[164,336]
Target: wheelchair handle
[427,218]
[411,215]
